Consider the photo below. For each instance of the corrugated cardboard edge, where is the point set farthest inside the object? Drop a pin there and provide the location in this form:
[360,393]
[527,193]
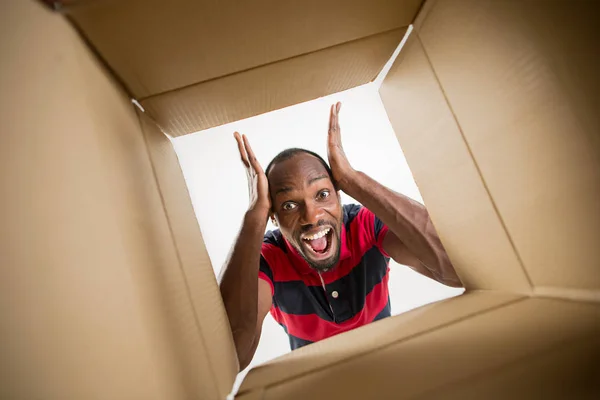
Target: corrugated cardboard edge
[426,7]
[592,296]
[97,302]
[95,52]
[524,94]
[470,304]
[585,329]
[132,34]
[211,322]
[272,86]
[477,167]
[437,152]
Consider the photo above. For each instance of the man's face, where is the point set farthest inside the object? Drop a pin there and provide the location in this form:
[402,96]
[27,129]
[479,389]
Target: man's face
[307,209]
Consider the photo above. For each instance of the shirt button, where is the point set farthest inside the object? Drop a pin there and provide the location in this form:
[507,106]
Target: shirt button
[335,294]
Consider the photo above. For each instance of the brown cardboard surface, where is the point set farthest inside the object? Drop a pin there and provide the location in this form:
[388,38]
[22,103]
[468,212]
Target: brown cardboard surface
[373,337]
[463,356]
[106,290]
[254,395]
[208,327]
[529,378]
[449,180]
[157,46]
[198,64]
[272,86]
[423,13]
[522,80]
[93,301]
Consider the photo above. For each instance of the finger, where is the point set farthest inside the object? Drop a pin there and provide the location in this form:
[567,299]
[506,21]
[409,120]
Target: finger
[331,132]
[335,118]
[338,107]
[241,149]
[331,119]
[334,124]
[252,158]
[334,127]
[238,140]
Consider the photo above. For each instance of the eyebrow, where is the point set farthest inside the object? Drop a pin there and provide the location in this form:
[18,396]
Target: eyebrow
[317,178]
[286,189]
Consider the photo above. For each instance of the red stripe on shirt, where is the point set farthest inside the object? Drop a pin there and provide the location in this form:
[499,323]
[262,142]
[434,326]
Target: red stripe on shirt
[359,236]
[312,328]
[278,262]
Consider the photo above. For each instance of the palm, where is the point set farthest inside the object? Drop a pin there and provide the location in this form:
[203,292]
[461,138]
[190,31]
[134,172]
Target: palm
[258,186]
[340,167]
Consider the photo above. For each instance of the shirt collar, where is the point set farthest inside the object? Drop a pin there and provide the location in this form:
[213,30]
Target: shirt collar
[300,263]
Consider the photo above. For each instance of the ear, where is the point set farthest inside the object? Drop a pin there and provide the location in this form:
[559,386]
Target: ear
[273,220]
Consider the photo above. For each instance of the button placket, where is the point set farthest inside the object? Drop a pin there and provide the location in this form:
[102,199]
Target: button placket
[325,290]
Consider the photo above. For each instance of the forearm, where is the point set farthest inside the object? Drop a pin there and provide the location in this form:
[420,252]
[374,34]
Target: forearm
[239,281]
[407,219]
[246,359]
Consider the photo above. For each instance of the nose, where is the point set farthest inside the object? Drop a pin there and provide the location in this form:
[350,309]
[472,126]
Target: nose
[312,213]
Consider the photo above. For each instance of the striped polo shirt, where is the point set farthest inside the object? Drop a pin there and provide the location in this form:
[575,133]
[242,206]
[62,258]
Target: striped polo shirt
[311,305]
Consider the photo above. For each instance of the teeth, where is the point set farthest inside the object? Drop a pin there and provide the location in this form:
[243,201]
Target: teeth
[318,234]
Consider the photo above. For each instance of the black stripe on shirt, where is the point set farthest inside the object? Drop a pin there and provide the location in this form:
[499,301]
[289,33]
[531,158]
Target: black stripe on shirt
[295,342]
[350,212]
[385,312]
[264,268]
[356,285]
[274,238]
[296,298]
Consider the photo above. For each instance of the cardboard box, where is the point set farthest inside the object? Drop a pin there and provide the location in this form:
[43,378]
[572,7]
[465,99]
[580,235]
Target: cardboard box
[198,64]
[106,290]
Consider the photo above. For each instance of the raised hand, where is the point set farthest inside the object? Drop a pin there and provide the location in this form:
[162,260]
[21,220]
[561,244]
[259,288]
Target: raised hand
[340,166]
[258,186]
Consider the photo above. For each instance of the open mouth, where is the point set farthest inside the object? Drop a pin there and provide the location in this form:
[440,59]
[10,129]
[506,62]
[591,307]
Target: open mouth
[319,244]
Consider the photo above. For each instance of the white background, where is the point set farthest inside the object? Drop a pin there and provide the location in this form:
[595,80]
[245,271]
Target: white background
[217,182]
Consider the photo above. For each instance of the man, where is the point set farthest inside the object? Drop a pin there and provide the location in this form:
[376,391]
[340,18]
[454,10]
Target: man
[325,270]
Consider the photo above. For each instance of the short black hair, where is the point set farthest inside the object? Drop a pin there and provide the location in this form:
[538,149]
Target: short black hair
[289,153]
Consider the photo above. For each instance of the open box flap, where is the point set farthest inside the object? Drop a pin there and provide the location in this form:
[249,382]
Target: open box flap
[106,289]
[482,343]
[495,106]
[373,337]
[254,56]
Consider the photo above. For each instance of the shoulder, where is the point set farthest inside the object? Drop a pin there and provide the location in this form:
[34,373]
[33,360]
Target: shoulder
[362,220]
[273,250]
[356,214]
[350,212]
[273,240]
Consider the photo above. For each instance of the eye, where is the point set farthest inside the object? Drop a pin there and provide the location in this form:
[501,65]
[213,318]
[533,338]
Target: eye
[288,206]
[323,194]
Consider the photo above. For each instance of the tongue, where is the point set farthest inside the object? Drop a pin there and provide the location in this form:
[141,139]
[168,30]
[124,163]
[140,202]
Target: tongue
[319,244]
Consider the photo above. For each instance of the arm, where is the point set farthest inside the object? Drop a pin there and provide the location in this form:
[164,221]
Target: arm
[412,239]
[243,295]
[264,305]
